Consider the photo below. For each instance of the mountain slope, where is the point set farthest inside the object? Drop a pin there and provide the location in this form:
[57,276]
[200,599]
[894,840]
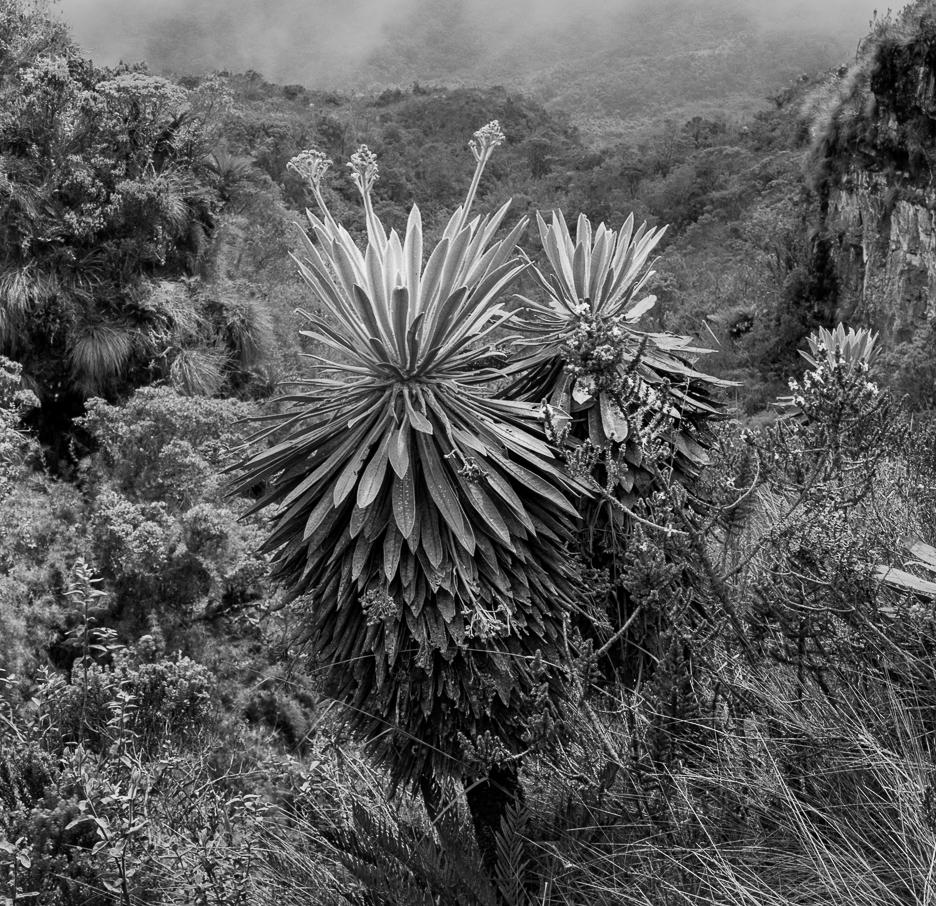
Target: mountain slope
[615,65]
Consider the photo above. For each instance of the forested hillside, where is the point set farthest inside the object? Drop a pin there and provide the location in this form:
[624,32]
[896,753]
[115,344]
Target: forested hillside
[366,539]
[737,254]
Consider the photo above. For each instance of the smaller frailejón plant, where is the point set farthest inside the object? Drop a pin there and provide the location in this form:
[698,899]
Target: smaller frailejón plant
[628,408]
[837,420]
[626,403]
[423,520]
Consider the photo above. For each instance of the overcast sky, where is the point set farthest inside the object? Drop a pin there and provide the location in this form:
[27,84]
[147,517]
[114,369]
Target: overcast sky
[318,42]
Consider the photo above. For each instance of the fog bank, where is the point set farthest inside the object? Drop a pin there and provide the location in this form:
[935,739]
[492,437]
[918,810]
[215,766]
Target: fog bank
[332,43]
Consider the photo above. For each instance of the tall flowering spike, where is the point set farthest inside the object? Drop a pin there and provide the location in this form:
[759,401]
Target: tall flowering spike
[364,170]
[310,166]
[486,139]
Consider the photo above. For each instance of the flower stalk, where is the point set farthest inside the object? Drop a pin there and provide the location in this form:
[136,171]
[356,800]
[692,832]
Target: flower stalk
[482,146]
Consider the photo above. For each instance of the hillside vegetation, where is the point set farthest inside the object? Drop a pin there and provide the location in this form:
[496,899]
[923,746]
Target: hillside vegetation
[618,67]
[365,540]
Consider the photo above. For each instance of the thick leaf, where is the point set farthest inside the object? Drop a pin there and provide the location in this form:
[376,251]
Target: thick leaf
[501,487]
[373,477]
[404,503]
[595,428]
[348,477]
[640,308]
[443,494]
[899,578]
[532,482]
[691,449]
[358,518]
[925,554]
[318,514]
[412,252]
[613,421]
[493,520]
[417,419]
[400,308]
[580,395]
[393,544]
[432,276]
[362,551]
[398,450]
[430,537]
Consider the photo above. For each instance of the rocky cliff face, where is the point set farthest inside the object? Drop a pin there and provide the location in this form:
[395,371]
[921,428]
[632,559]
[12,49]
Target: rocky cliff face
[874,174]
[884,254]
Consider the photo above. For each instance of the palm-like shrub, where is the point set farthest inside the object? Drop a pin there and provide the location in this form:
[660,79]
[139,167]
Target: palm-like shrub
[630,411]
[423,520]
[629,402]
[104,188]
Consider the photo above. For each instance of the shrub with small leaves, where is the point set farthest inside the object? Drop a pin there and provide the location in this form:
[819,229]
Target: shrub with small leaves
[15,401]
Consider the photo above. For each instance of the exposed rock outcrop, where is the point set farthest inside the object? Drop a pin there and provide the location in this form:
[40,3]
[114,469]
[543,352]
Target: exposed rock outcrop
[874,174]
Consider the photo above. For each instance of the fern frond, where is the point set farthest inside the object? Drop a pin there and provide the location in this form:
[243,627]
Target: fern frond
[513,863]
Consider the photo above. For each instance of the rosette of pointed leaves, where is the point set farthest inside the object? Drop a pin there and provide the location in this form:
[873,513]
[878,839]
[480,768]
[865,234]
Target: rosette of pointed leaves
[839,363]
[631,397]
[852,349]
[836,417]
[423,521]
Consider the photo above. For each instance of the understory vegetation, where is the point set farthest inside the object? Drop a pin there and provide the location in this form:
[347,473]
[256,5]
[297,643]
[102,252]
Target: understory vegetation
[510,594]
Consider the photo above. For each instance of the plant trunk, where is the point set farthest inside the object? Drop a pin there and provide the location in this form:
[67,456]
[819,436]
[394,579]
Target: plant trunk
[488,802]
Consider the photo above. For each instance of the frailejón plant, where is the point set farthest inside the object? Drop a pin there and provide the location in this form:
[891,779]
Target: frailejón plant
[627,402]
[423,520]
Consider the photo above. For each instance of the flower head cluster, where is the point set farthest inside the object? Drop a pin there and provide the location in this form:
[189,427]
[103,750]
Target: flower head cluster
[486,139]
[489,624]
[603,361]
[310,166]
[594,351]
[836,418]
[364,170]
[379,606]
[557,423]
[828,383]
[468,467]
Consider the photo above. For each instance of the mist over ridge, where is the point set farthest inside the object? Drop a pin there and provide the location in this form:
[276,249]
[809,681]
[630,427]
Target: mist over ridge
[600,60]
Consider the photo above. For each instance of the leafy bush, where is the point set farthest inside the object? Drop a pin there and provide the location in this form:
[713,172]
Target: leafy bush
[160,527]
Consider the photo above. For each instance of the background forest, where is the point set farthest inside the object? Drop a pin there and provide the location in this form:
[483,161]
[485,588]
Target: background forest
[621,592]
